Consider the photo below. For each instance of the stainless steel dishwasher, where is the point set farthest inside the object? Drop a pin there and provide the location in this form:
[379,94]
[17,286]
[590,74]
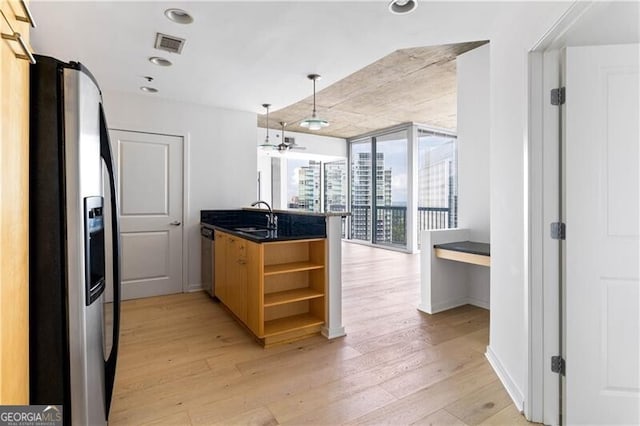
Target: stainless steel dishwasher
[207,263]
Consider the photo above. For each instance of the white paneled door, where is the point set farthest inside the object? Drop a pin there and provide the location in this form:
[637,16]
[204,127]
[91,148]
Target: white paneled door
[149,168]
[602,242]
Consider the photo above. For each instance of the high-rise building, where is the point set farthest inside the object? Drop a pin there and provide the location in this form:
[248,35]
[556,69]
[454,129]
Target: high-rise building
[335,186]
[362,198]
[309,187]
[437,186]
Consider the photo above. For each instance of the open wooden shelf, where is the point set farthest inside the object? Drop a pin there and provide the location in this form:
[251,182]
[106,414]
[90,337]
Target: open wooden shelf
[288,296]
[275,289]
[283,268]
[292,323]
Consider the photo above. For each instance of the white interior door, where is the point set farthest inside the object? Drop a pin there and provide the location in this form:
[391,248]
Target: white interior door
[149,168]
[602,216]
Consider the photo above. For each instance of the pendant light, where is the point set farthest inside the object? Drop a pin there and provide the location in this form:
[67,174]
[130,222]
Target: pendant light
[282,147]
[267,145]
[314,122]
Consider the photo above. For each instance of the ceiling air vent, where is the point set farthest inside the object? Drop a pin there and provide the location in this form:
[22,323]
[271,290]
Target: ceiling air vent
[169,43]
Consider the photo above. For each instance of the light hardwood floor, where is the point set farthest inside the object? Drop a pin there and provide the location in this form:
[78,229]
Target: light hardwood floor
[183,360]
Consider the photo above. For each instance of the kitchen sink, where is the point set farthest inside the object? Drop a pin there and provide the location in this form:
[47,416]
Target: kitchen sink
[260,234]
[252,229]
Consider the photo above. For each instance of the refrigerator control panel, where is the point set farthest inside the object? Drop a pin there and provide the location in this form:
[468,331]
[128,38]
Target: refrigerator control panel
[94,248]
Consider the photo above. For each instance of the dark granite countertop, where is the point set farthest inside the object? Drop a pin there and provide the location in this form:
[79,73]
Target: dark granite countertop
[291,226]
[302,212]
[472,247]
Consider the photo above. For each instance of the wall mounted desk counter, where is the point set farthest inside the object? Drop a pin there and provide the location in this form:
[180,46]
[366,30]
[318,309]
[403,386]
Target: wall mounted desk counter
[449,276]
[465,251]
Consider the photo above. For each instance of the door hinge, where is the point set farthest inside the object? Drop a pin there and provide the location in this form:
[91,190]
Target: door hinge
[558,231]
[558,96]
[558,365]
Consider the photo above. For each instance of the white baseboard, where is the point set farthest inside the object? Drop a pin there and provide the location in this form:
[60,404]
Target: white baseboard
[512,389]
[424,308]
[192,288]
[450,304]
[478,302]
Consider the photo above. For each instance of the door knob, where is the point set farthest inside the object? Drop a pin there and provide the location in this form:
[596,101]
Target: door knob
[175,223]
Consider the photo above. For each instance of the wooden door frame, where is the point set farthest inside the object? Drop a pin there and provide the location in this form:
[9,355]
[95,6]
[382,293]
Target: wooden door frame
[186,139]
[542,395]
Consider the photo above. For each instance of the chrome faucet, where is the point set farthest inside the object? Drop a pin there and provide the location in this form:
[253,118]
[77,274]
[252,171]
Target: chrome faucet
[272,220]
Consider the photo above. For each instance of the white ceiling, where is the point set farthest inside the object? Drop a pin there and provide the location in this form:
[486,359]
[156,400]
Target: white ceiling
[240,54]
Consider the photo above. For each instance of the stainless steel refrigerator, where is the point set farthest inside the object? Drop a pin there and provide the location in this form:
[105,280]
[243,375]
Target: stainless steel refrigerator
[73,330]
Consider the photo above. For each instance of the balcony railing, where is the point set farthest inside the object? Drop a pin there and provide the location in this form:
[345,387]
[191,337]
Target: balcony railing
[360,223]
[391,223]
[434,218]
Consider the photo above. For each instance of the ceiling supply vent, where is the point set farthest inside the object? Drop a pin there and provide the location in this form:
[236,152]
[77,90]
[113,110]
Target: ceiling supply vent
[169,43]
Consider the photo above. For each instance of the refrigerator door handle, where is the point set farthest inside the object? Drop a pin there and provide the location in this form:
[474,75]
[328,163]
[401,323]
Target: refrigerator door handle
[110,363]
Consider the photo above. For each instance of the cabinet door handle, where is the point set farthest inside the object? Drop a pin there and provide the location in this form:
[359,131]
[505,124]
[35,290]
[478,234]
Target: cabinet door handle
[17,37]
[175,223]
[29,17]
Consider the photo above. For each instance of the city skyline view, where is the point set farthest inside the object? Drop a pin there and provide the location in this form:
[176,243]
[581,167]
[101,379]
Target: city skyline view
[377,195]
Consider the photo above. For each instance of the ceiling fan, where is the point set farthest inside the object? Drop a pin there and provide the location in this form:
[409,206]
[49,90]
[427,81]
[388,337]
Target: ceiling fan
[287,144]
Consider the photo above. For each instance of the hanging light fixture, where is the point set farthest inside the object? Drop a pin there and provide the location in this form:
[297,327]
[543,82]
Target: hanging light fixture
[282,147]
[314,122]
[267,145]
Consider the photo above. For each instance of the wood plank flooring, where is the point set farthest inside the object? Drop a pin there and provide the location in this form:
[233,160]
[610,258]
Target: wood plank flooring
[184,361]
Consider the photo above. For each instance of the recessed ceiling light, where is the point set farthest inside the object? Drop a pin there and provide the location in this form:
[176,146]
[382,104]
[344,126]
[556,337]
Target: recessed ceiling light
[179,16]
[160,61]
[402,7]
[148,89]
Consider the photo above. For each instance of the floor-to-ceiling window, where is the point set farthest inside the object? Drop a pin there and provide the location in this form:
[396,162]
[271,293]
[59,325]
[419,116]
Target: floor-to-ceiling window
[379,174]
[312,183]
[335,186]
[361,190]
[437,180]
[303,185]
[391,188]
[402,180]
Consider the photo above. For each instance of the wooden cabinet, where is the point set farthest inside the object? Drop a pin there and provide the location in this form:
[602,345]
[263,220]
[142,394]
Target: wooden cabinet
[14,213]
[236,276]
[234,257]
[220,265]
[277,289]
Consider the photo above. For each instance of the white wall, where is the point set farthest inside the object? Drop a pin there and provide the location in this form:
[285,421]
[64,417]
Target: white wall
[220,149]
[473,160]
[265,176]
[516,33]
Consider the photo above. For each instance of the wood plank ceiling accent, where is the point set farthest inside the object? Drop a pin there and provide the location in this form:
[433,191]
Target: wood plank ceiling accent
[409,85]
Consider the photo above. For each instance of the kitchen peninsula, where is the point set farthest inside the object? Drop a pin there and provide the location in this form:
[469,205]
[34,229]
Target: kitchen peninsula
[282,282]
